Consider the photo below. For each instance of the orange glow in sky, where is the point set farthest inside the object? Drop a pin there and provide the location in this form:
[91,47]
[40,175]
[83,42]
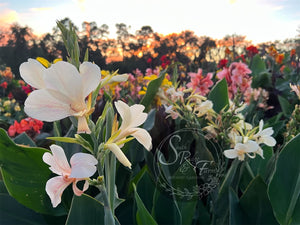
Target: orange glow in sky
[259,20]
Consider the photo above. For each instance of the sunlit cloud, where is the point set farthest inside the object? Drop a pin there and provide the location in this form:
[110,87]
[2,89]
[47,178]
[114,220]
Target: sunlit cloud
[8,16]
[42,9]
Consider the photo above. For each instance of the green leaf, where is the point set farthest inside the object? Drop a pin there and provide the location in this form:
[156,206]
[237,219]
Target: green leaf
[286,107]
[259,165]
[145,187]
[235,213]
[85,210]
[219,95]
[152,89]
[25,175]
[255,203]
[142,214]
[222,201]
[184,180]
[165,209]
[284,188]
[258,65]
[12,212]
[149,123]
[24,139]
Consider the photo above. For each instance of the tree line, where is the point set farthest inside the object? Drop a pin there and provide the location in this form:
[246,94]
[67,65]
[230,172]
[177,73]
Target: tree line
[126,52]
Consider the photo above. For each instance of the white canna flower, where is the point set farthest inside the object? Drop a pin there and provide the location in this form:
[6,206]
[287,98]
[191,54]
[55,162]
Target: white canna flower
[33,73]
[263,136]
[62,91]
[132,117]
[82,167]
[240,150]
[203,108]
[169,109]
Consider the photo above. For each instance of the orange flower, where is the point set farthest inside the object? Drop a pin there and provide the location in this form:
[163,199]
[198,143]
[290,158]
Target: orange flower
[293,52]
[279,58]
[227,51]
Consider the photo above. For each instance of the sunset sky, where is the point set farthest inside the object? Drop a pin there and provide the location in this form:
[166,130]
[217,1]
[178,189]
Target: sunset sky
[259,20]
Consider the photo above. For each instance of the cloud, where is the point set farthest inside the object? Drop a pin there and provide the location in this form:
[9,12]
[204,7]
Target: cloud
[42,9]
[8,16]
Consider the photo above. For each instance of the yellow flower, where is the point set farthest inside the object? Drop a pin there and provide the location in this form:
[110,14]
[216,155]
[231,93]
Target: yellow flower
[6,103]
[7,114]
[17,108]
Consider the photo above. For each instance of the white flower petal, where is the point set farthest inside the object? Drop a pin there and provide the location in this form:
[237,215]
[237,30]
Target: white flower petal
[270,141]
[231,153]
[251,146]
[32,73]
[41,105]
[137,115]
[91,76]
[119,154]
[57,160]
[125,113]
[77,191]
[65,78]
[267,132]
[83,165]
[83,126]
[143,137]
[55,188]
[119,78]
[261,125]
[260,152]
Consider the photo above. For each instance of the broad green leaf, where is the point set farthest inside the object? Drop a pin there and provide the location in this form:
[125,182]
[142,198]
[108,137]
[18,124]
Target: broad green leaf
[259,165]
[12,212]
[284,188]
[152,89]
[222,201]
[165,209]
[149,123]
[184,181]
[286,107]
[25,175]
[219,95]
[145,187]
[236,215]
[258,65]
[256,205]
[142,214]
[85,210]
[24,139]
[260,76]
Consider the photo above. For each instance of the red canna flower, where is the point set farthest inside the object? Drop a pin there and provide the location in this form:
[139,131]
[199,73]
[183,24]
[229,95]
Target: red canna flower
[252,50]
[4,85]
[222,63]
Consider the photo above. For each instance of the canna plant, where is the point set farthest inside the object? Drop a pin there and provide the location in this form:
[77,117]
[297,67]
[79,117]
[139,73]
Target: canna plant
[222,170]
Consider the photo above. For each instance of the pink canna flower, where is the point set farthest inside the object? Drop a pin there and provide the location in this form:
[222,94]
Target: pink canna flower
[200,83]
[82,167]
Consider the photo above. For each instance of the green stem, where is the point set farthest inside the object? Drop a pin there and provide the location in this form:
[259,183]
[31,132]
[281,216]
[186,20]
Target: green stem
[110,174]
[249,170]
[108,213]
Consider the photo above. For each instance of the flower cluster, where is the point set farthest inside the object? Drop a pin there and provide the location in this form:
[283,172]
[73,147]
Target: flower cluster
[199,83]
[10,108]
[246,141]
[29,125]
[237,77]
